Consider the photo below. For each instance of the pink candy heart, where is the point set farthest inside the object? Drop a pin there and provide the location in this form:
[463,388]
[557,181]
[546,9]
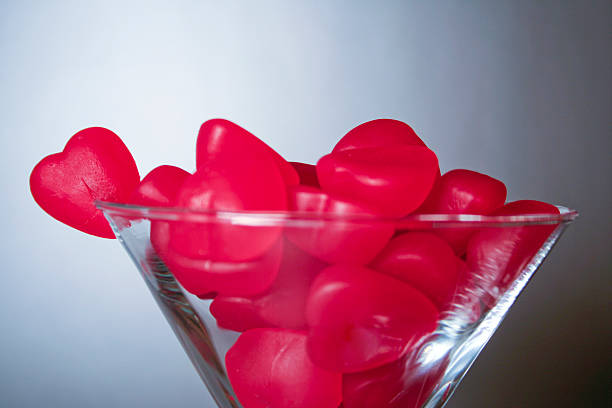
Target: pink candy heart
[361,319]
[378,132]
[220,138]
[463,192]
[393,180]
[269,368]
[94,165]
[160,187]
[424,261]
[228,184]
[282,305]
[336,239]
[400,384]
[204,276]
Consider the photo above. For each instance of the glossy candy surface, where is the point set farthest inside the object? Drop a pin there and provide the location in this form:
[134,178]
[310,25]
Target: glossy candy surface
[463,192]
[350,241]
[204,276]
[94,165]
[379,132]
[220,138]
[228,184]
[424,261]
[393,180]
[159,187]
[269,368]
[361,319]
[282,305]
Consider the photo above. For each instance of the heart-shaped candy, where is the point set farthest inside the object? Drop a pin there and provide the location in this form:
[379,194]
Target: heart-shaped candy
[393,180]
[361,319]
[94,165]
[424,261]
[282,305]
[229,184]
[269,368]
[336,237]
[160,187]
[463,192]
[204,276]
[379,132]
[222,138]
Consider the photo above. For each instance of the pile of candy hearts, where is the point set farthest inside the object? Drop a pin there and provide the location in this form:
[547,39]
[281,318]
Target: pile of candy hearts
[325,309]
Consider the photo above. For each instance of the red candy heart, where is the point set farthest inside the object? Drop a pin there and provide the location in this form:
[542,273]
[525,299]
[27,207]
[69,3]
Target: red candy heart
[95,165]
[361,319]
[269,368]
[282,305]
[160,187]
[423,261]
[204,276]
[378,132]
[394,180]
[227,184]
[463,192]
[527,207]
[222,138]
[499,255]
[336,240]
[307,173]
[401,384]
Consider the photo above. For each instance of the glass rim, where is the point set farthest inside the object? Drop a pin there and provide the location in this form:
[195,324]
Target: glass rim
[262,218]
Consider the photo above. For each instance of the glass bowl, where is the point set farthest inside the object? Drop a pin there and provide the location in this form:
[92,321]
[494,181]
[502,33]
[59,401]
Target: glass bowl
[285,309]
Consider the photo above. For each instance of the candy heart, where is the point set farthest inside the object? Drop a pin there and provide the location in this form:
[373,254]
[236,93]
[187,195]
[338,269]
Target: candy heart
[282,305]
[401,384]
[228,184]
[498,255]
[422,260]
[204,276]
[237,313]
[336,238]
[379,132]
[463,192]
[307,173]
[269,368]
[222,138]
[94,165]
[360,319]
[394,180]
[160,187]
[527,207]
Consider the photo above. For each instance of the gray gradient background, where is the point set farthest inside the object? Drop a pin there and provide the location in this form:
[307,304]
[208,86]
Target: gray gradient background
[520,90]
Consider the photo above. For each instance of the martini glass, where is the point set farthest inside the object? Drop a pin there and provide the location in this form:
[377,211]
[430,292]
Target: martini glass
[508,251]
